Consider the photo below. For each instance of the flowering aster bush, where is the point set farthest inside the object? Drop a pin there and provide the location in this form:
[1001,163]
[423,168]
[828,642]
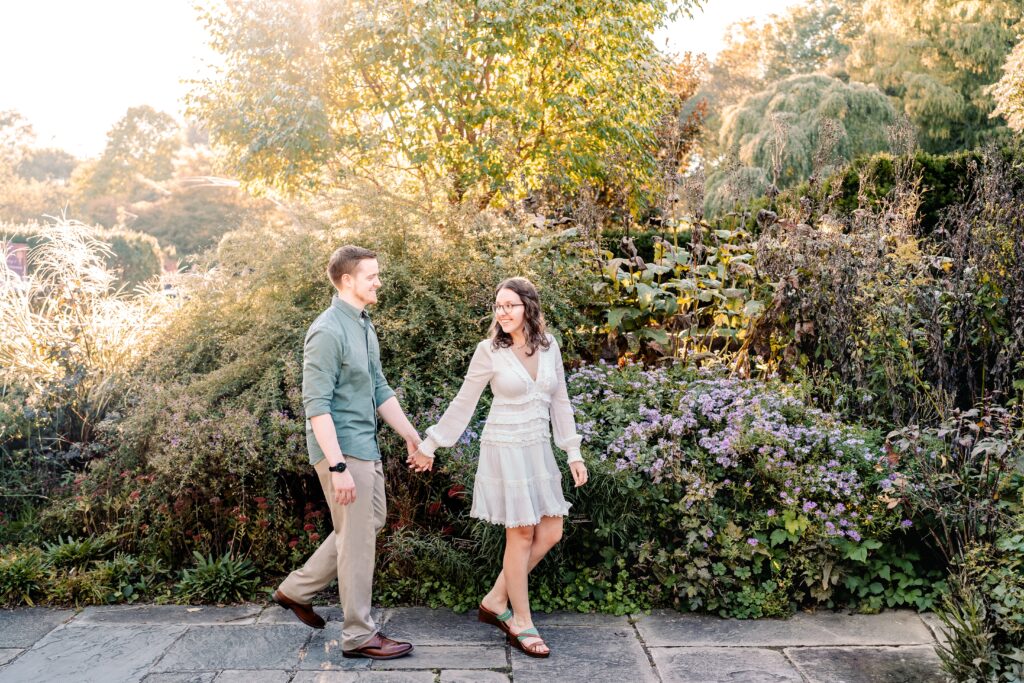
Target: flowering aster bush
[743,499]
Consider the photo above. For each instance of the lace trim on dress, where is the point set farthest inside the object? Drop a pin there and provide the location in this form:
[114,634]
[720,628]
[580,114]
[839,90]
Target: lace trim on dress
[517,524]
[517,482]
[524,399]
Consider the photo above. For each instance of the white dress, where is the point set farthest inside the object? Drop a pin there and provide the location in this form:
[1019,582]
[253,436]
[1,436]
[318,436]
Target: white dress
[517,481]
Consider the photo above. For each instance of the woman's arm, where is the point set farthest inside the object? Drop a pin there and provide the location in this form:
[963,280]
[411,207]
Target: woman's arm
[456,418]
[563,423]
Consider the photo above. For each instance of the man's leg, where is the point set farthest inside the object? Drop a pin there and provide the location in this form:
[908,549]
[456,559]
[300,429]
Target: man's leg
[322,566]
[355,533]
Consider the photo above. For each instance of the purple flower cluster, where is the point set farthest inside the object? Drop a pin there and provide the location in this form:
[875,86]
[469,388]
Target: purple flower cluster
[706,433]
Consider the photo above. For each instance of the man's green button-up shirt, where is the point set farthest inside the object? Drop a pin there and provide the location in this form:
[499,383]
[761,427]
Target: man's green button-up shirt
[342,377]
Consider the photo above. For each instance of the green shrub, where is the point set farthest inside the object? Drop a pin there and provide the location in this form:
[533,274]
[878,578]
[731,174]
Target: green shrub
[23,576]
[984,613]
[221,580]
[69,553]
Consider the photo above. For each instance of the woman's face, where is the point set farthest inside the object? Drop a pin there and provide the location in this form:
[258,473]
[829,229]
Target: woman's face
[509,311]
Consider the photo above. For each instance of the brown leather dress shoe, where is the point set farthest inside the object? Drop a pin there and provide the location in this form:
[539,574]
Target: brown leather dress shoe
[305,613]
[380,647]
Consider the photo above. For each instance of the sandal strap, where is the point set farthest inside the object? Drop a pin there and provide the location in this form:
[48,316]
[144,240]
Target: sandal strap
[527,633]
[504,616]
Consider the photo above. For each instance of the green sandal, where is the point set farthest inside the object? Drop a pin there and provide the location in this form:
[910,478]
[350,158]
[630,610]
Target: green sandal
[494,619]
[529,650]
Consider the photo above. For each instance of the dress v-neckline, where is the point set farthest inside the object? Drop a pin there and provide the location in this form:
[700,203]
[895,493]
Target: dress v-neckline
[533,380]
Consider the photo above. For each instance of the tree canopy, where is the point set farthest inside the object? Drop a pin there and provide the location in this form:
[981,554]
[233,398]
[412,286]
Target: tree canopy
[140,146]
[486,100]
[1009,91]
[780,129]
[938,58]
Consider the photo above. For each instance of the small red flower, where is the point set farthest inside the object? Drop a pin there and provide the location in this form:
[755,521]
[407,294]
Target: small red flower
[308,527]
[434,508]
[314,537]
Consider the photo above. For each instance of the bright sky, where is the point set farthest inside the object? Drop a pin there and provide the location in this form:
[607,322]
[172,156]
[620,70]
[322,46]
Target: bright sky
[73,67]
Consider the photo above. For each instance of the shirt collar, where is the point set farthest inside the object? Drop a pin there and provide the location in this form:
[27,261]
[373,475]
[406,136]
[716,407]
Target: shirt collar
[350,310]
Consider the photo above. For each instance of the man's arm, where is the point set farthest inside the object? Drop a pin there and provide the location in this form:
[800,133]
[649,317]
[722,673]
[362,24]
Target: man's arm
[327,438]
[393,414]
[320,367]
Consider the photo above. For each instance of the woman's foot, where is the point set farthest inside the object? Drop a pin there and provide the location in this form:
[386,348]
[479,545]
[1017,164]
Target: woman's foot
[529,641]
[495,603]
[499,619]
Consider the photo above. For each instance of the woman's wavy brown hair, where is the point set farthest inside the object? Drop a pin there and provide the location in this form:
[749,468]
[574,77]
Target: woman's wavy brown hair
[533,318]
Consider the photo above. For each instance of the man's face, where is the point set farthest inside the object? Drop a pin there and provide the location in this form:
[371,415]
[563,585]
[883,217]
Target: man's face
[364,281]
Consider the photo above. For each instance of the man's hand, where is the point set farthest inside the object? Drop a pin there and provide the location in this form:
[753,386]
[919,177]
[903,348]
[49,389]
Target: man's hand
[344,487]
[579,473]
[412,444]
[419,462]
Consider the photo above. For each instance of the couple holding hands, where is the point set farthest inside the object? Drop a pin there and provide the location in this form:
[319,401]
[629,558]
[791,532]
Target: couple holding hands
[517,483]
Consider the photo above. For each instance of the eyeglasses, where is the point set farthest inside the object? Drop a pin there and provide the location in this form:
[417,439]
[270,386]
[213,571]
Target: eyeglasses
[505,308]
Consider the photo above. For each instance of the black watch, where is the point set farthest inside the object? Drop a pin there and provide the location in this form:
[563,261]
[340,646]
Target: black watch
[340,467]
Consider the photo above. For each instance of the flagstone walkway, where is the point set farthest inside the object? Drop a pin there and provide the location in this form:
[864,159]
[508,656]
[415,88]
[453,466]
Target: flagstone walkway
[259,644]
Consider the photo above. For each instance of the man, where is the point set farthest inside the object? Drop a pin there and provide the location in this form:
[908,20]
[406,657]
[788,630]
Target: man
[343,391]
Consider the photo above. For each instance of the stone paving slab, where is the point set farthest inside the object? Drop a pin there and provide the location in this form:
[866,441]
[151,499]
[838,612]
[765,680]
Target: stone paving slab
[936,626]
[23,627]
[723,665]
[265,676]
[105,654]
[193,677]
[168,614]
[207,648]
[277,615]
[9,653]
[458,676]
[323,652]
[540,619]
[364,677]
[665,628]
[593,654]
[912,664]
[443,656]
[425,626]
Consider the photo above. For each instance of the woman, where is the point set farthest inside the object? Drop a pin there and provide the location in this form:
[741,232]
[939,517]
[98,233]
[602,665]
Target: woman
[517,481]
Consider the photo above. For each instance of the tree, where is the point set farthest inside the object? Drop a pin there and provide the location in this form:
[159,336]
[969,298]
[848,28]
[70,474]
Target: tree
[16,137]
[780,130]
[47,164]
[140,147]
[938,59]
[807,38]
[487,100]
[1009,91]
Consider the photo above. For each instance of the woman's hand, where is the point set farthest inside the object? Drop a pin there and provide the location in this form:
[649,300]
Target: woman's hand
[579,473]
[419,462]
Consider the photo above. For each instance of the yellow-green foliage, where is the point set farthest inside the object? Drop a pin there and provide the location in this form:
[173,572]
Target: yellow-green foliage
[70,339]
[133,258]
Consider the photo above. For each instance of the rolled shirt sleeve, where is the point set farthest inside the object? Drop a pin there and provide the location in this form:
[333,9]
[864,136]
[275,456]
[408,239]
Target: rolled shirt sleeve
[321,365]
[456,418]
[563,424]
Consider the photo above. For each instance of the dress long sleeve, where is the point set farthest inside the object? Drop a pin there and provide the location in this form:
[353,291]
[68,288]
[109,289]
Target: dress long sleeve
[456,418]
[563,424]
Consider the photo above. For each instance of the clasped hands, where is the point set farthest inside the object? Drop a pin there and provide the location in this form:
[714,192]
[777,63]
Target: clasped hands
[417,461]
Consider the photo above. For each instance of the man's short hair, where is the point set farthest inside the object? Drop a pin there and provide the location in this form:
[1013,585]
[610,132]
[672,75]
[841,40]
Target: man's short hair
[345,260]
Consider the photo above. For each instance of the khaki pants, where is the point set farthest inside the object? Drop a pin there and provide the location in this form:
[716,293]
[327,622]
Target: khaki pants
[348,554]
